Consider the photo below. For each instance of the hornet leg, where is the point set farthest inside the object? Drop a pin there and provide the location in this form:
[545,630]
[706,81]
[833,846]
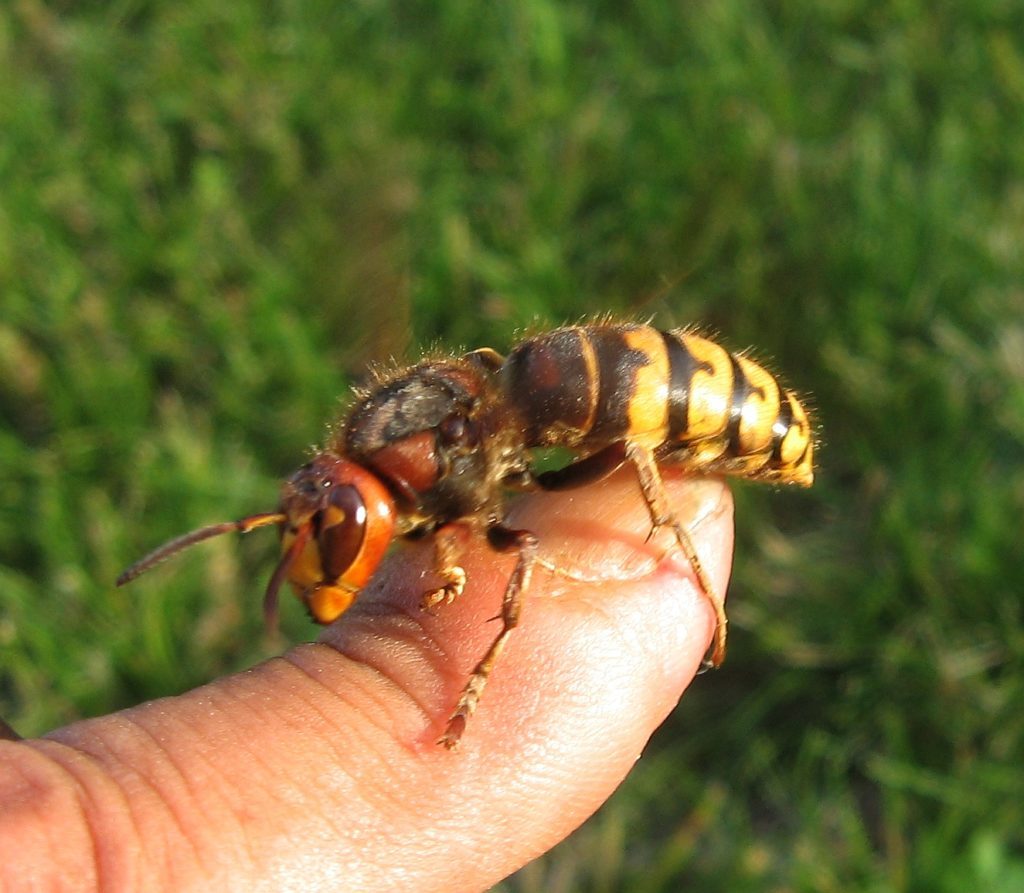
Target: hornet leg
[662,516]
[446,566]
[503,539]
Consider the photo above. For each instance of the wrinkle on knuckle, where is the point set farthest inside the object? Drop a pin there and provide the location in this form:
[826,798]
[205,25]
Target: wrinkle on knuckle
[361,704]
[180,794]
[365,754]
[73,816]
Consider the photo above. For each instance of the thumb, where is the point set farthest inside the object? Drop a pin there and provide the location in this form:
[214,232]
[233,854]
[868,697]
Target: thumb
[319,770]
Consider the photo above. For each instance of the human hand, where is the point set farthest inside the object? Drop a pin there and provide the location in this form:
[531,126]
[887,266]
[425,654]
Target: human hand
[318,770]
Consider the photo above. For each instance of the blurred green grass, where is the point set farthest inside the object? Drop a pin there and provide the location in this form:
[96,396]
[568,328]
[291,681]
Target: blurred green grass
[212,218]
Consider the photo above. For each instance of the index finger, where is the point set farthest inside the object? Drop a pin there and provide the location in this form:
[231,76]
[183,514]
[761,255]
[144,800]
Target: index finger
[319,769]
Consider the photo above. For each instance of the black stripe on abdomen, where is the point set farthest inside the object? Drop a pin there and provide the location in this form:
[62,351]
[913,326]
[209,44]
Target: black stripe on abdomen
[682,366]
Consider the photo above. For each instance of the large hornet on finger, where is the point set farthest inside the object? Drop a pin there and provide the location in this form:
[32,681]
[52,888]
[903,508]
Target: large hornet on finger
[437,445]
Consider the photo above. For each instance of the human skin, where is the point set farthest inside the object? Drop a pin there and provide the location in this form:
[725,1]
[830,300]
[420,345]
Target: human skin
[319,770]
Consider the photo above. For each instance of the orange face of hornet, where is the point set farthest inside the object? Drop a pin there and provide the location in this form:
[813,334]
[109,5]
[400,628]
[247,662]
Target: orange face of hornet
[439,444]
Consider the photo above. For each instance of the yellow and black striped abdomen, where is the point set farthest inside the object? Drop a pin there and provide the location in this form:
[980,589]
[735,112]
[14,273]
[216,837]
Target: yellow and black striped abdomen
[682,395]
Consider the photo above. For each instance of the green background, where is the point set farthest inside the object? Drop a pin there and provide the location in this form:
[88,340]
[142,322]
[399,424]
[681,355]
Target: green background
[213,216]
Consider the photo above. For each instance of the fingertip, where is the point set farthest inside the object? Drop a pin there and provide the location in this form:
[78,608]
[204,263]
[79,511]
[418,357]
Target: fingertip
[597,560]
[607,602]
